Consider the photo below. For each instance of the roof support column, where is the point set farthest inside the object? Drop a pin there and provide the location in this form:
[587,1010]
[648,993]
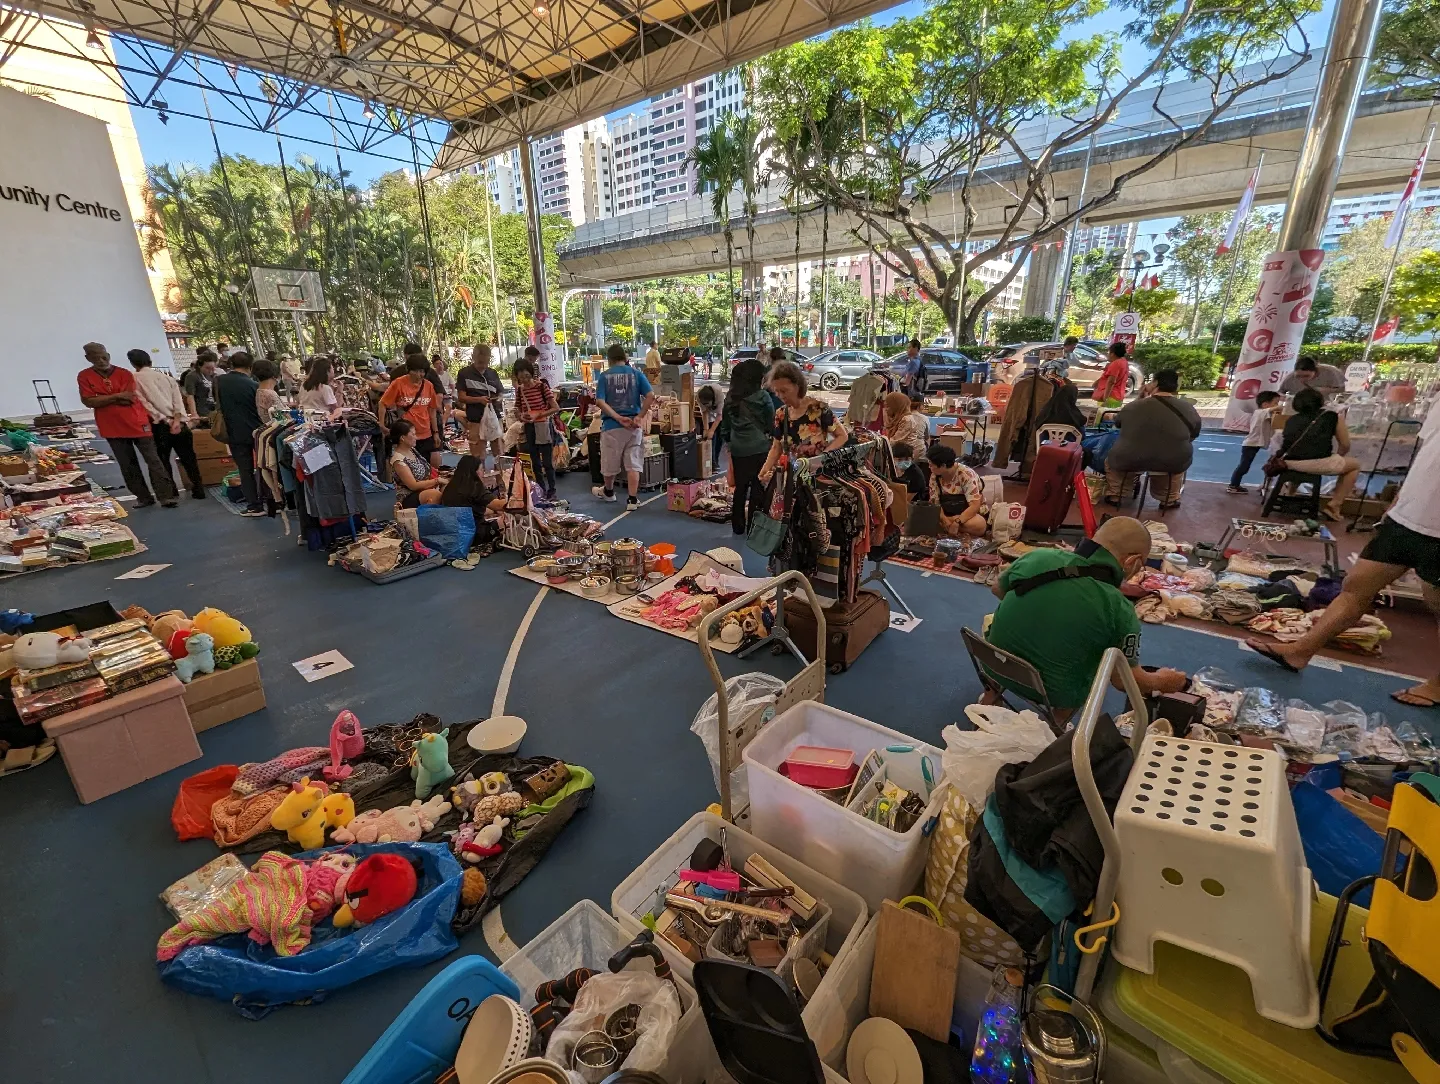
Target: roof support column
[552,364]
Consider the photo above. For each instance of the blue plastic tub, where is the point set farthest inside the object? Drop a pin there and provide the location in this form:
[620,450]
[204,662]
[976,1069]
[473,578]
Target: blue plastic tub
[424,1039]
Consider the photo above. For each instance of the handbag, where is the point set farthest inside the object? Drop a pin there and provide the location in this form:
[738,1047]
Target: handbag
[217,426]
[766,534]
[1276,464]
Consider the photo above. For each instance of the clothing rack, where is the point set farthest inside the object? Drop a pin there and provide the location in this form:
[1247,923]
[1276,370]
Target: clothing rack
[857,452]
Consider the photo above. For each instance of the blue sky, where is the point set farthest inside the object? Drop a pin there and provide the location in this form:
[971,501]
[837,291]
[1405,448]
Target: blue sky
[185,139]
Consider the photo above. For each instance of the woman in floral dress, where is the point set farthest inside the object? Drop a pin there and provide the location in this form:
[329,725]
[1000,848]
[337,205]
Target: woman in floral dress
[803,426]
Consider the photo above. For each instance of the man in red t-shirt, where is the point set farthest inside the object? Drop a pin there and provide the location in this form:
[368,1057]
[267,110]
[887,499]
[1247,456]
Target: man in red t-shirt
[124,422]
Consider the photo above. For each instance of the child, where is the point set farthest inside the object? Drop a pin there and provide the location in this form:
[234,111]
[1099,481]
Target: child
[1262,425]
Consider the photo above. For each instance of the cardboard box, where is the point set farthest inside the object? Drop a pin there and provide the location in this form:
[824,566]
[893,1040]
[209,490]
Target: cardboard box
[206,446]
[707,463]
[958,440]
[213,471]
[218,698]
[681,495]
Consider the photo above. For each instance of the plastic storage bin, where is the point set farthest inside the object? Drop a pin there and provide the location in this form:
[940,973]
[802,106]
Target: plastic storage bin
[863,856]
[639,893]
[584,936]
[424,1038]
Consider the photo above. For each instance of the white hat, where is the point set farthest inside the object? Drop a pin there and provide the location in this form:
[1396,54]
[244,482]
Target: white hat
[881,1053]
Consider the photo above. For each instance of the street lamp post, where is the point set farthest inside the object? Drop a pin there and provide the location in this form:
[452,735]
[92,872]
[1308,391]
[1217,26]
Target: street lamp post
[1141,265]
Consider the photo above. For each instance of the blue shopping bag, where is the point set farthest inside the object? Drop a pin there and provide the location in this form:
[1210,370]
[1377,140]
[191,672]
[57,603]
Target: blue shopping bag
[448,531]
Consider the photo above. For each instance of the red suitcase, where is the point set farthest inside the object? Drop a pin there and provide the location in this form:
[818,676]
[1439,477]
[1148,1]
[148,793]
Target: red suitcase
[1052,486]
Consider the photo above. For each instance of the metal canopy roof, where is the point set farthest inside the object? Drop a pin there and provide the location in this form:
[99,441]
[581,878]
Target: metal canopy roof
[498,71]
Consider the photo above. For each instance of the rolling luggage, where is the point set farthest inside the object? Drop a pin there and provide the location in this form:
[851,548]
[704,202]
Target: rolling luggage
[848,628]
[1052,486]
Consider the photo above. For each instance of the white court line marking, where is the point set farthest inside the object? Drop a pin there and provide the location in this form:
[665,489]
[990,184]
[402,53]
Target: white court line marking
[642,504]
[502,687]
[496,937]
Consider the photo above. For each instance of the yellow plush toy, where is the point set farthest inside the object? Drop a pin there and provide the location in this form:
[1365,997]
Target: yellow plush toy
[221,627]
[308,810]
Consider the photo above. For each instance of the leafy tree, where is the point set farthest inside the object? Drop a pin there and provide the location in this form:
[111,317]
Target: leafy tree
[1407,49]
[1025,329]
[926,103]
[1200,276]
[1415,293]
[1361,259]
[717,160]
[1150,304]
[1092,282]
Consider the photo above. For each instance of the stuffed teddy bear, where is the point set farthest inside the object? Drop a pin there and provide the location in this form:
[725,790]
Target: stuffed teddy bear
[164,627]
[379,884]
[399,824]
[199,657]
[36,650]
[430,762]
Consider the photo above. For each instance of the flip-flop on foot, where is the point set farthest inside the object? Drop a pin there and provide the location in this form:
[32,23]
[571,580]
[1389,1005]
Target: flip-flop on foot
[1273,655]
[1411,698]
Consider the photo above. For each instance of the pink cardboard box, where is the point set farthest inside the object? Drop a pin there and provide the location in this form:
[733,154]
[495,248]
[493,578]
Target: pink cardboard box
[125,740]
[681,495]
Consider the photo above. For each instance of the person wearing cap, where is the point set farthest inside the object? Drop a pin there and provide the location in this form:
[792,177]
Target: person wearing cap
[121,418]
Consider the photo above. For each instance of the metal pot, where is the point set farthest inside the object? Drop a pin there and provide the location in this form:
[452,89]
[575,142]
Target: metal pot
[1064,1040]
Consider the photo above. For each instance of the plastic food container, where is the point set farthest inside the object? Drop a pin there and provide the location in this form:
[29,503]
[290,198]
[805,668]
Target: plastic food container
[821,768]
[872,860]
[640,892]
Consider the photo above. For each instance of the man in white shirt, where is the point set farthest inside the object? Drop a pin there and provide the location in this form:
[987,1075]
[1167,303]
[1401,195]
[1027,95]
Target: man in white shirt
[1408,537]
[1326,379]
[168,421]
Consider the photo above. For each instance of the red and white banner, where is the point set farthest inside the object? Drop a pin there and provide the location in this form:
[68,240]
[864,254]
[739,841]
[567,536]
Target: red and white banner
[1242,211]
[1397,221]
[552,361]
[1277,324]
[1385,330]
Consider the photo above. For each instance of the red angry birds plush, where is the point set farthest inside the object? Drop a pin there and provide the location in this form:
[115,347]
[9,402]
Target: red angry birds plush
[379,884]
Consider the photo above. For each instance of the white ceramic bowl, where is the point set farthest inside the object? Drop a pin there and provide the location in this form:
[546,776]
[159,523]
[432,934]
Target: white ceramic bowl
[497,734]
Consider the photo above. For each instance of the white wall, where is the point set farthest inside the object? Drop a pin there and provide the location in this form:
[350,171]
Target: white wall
[66,278]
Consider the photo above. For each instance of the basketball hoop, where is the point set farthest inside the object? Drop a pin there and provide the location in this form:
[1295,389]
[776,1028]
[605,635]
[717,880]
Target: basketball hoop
[294,302]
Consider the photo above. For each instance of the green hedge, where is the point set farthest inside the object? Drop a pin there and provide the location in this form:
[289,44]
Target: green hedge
[1342,354]
[1197,366]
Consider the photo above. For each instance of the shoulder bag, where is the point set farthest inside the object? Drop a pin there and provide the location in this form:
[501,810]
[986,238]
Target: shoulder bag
[1194,435]
[1277,464]
[396,413]
[766,534]
[217,417]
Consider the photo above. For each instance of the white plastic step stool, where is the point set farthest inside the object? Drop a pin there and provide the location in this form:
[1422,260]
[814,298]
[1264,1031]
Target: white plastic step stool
[1210,860]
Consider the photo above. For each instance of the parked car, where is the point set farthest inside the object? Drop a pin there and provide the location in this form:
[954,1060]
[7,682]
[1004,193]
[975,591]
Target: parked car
[834,368]
[743,353]
[1018,358]
[941,369]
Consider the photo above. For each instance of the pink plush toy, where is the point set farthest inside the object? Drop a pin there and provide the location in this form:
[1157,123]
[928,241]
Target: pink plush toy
[405,823]
[346,743]
[325,880]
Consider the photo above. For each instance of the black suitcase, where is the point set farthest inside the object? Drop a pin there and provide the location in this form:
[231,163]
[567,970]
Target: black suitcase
[682,454]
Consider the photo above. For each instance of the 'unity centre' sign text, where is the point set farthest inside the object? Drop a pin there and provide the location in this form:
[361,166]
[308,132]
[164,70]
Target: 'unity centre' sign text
[62,201]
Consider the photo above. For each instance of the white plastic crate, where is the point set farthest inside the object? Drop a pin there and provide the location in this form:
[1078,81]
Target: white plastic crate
[584,936]
[640,894]
[868,858]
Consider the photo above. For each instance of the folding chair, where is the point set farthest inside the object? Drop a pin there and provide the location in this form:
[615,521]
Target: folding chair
[986,656]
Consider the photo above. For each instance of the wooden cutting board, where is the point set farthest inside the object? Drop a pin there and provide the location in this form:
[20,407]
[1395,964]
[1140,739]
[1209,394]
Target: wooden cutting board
[913,980]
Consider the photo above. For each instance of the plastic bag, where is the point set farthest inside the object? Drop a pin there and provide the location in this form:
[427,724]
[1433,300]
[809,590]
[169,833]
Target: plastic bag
[1212,677]
[1199,579]
[602,995]
[1261,711]
[190,815]
[1000,737]
[255,980]
[448,531]
[743,694]
[1344,727]
[1304,726]
[1340,848]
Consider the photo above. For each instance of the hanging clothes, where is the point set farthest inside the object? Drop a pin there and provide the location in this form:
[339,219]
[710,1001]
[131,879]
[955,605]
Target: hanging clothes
[1027,400]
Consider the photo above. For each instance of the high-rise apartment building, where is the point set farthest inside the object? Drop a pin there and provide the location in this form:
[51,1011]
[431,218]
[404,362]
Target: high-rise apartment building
[1346,214]
[630,161]
[502,174]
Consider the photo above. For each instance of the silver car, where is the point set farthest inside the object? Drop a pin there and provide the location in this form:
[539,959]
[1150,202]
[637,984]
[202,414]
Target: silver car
[1085,370]
[834,368]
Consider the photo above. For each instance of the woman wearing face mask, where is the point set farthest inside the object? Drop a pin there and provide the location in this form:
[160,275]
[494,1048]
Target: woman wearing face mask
[957,490]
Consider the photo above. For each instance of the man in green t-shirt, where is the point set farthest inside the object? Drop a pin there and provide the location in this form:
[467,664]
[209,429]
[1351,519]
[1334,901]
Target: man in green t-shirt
[1064,626]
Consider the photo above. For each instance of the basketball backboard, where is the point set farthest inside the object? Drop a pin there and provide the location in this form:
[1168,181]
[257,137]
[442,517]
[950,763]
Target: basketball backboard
[287,288]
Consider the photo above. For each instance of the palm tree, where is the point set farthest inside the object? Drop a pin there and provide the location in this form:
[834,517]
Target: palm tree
[745,131]
[716,164]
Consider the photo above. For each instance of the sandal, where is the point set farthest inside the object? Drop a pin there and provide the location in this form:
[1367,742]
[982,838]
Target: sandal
[1410,698]
[1271,654]
[1113,502]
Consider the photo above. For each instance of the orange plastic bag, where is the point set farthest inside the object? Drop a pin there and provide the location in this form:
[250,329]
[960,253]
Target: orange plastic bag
[190,815]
